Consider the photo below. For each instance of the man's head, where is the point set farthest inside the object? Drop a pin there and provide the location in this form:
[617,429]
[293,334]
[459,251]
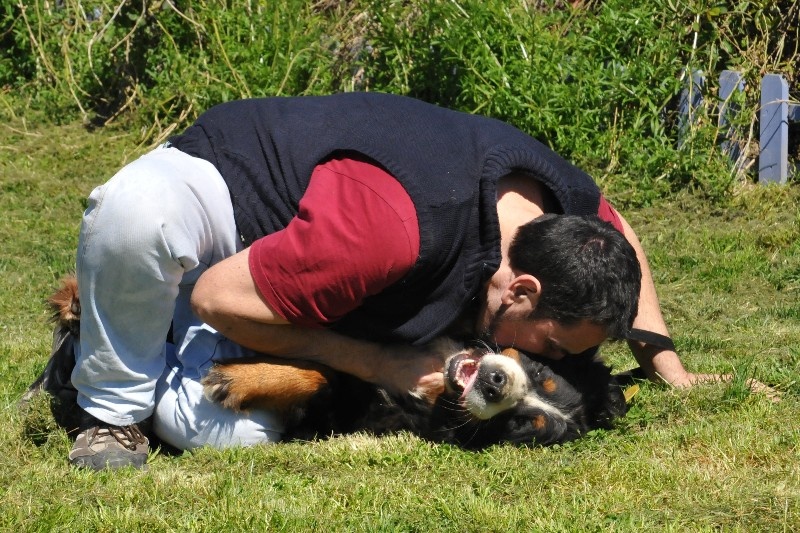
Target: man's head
[574,281]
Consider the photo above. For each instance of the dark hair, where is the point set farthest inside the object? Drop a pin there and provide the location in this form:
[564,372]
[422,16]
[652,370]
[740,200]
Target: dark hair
[588,271]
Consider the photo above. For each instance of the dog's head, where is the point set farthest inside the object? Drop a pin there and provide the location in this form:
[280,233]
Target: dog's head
[514,397]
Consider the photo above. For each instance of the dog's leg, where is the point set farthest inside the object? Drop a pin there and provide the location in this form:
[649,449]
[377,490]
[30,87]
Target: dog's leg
[265,383]
[56,377]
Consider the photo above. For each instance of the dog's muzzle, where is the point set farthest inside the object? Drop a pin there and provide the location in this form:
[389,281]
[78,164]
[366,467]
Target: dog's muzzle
[487,384]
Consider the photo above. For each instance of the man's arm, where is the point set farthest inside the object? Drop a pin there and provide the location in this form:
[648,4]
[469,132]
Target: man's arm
[659,364]
[226,298]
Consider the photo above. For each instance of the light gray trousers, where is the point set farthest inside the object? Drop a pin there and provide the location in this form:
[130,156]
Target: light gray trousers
[146,237]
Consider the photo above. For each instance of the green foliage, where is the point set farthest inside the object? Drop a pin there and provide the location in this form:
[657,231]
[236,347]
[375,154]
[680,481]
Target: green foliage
[160,63]
[598,81]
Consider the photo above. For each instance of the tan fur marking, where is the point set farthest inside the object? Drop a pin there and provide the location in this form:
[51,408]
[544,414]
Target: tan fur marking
[538,422]
[513,353]
[549,385]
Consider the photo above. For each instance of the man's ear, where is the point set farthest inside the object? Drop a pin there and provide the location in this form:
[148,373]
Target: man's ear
[524,289]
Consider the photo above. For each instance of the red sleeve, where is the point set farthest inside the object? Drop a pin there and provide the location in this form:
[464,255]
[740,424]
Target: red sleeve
[609,214]
[355,233]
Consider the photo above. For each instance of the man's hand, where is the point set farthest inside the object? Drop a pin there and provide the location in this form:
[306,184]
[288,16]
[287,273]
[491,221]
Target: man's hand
[421,375]
[754,385]
[419,371]
[683,380]
[664,366]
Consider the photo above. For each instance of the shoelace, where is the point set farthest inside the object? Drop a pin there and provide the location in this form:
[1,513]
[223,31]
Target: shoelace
[129,436]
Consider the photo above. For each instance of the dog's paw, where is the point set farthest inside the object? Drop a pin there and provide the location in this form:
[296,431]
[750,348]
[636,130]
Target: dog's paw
[264,384]
[217,388]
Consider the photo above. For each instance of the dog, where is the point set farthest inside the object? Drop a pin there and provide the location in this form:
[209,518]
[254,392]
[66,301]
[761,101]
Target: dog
[489,397]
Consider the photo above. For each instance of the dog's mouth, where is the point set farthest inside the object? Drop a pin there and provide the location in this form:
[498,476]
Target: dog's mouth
[461,371]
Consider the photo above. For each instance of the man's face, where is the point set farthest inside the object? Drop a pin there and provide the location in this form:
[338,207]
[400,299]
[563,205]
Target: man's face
[510,300]
[544,337]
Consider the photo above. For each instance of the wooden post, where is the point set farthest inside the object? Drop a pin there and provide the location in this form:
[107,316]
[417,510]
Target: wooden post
[691,99]
[773,159]
[730,81]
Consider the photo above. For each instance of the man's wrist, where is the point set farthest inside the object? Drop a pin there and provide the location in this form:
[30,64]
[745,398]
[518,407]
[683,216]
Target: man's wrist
[651,338]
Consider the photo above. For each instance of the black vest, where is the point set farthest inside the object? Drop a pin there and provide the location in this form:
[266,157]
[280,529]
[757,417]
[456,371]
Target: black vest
[449,163]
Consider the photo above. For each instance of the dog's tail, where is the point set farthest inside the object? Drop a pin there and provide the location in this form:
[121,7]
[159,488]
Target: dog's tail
[66,305]
[56,378]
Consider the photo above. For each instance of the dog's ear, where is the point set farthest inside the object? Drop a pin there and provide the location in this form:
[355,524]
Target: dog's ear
[604,396]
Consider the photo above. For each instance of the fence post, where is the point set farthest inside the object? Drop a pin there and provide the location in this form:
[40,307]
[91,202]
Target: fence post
[730,81]
[691,99]
[773,160]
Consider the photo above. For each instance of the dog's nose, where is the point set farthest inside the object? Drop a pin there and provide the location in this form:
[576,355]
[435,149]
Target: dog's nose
[492,384]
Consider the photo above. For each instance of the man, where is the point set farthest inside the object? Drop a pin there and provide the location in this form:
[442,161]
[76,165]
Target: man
[349,230]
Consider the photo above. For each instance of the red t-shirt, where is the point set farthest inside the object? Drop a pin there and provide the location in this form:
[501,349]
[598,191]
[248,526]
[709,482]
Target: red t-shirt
[355,233]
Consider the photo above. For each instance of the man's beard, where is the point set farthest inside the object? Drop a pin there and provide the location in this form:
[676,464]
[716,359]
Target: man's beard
[489,332]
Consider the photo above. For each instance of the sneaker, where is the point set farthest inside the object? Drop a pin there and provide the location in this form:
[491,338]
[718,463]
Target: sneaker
[100,446]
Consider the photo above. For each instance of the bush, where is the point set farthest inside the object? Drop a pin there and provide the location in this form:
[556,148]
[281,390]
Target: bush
[596,80]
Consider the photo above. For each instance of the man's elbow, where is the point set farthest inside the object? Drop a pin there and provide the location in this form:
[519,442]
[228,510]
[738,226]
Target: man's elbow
[225,297]
[206,303]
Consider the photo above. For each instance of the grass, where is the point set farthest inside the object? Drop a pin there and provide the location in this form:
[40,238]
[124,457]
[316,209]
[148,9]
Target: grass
[712,458]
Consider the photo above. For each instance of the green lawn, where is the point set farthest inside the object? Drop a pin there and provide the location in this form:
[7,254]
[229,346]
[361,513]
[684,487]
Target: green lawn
[713,458]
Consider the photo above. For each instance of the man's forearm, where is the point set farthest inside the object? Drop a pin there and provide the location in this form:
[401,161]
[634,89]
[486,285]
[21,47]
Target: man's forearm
[226,298]
[341,353]
[397,368]
[659,364]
